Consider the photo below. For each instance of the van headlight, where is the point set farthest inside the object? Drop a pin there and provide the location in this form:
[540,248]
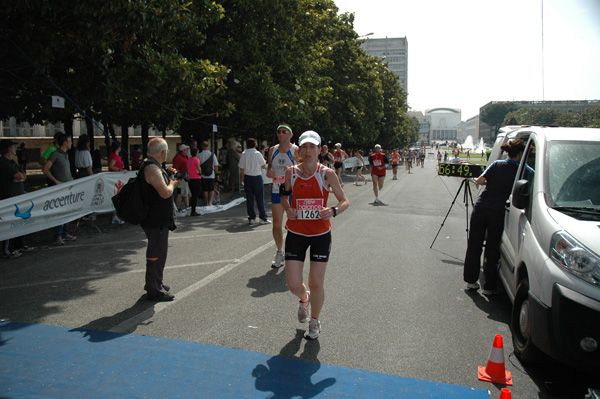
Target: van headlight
[575,258]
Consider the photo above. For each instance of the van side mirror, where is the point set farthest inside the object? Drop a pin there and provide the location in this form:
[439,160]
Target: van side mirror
[520,194]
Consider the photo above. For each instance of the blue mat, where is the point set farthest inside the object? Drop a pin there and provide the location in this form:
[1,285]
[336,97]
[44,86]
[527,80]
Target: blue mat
[38,361]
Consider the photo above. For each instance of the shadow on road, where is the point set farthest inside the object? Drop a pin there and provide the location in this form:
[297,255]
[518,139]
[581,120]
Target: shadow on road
[271,283]
[285,378]
[97,329]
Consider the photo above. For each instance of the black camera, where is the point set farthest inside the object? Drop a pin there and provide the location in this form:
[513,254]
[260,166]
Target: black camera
[182,176]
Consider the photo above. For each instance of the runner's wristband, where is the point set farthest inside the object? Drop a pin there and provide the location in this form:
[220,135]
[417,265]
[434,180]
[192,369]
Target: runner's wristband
[335,211]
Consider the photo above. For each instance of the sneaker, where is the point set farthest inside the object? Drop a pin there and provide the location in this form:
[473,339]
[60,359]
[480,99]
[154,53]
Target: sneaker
[266,221]
[251,222]
[116,220]
[278,261]
[162,297]
[314,328]
[11,255]
[472,286]
[26,248]
[69,237]
[59,241]
[496,291]
[303,309]
[194,213]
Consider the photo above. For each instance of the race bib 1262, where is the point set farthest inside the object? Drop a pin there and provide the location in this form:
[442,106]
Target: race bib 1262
[308,208]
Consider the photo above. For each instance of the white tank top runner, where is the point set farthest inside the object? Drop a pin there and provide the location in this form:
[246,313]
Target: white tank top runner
[279,162]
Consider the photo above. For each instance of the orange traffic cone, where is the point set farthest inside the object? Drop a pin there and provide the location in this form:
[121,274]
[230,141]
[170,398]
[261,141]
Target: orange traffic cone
[505,394]
[494,370]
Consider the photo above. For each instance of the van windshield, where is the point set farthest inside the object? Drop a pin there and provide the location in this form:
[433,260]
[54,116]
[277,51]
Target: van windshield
[573,178]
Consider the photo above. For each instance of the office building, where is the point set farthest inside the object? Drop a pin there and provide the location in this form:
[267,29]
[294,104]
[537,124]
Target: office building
[394,52]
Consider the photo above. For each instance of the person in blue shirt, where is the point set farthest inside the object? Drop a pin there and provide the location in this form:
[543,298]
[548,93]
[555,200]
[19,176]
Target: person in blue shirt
[487,218]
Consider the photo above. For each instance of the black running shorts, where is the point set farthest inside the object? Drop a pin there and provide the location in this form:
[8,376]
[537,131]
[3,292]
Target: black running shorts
[296,246]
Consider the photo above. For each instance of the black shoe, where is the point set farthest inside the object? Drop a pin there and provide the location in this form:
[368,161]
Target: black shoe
[166,297]
[194,214]
[167,288]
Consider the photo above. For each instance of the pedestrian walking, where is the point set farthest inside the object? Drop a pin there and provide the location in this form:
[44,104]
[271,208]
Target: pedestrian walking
[251,165]
[281,156]
[157,190]
[309,226]
[378,160]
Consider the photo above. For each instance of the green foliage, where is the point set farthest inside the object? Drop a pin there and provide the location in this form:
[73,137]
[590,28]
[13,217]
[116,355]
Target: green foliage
[587,118]
[495,113]
[532,116]
[247,65]
[115,59]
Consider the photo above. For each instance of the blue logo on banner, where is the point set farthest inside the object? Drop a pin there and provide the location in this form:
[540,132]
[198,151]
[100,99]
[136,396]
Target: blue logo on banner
[23,215]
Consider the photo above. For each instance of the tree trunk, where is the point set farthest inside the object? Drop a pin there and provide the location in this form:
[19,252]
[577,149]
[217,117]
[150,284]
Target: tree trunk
[145,139]
[71,153]
[90,132]
[125,143]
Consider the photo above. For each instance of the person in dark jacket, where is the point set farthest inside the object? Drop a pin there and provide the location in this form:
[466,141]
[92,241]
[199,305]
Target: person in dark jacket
[487,218]
[157,190]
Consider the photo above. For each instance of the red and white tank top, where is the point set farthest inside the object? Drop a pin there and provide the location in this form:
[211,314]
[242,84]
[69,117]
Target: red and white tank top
[309,196]
[338,156]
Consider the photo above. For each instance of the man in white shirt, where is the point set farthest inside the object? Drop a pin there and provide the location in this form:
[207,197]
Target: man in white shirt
[208,180]
[251,165]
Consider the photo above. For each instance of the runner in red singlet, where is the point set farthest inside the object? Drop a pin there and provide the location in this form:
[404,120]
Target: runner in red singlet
[309,225]
[378,160]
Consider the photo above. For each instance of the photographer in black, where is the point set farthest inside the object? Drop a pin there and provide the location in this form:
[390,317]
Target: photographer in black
[487,219]
[157,190]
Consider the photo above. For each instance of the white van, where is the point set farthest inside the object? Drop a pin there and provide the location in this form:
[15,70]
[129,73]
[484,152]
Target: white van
[550,263]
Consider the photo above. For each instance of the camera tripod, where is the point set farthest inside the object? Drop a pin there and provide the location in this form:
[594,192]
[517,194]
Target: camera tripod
[467,196]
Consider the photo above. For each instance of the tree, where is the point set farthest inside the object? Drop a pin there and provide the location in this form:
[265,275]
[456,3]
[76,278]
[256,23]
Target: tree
[494,114]
[533,116]
[587,118]
[117,60]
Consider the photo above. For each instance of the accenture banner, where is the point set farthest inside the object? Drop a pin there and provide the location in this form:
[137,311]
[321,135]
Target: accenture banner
[52,206]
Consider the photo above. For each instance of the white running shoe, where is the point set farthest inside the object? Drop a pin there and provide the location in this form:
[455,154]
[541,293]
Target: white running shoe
[116,220]
[251,222]
[59,241]
[278,261]
[263,222]
[472,286]
[314,328]
[69,237]
[303,309]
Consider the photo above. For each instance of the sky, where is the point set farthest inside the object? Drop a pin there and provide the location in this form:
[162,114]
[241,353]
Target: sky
[466,53]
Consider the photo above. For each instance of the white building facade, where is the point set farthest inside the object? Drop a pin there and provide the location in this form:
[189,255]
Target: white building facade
[444,123]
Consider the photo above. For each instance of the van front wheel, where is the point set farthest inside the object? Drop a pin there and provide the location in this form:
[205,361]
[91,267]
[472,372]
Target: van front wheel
[520,326]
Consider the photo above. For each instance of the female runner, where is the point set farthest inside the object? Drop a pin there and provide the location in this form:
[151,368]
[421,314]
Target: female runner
[309,225]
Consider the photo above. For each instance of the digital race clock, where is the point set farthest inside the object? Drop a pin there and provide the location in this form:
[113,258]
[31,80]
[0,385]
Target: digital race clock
[460,170]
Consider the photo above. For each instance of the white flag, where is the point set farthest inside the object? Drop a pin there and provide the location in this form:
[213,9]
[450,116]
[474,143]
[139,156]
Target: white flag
[58,102]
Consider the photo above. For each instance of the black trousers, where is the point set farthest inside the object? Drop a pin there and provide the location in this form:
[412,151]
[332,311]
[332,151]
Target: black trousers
[486,225]
[156,259]
[195,192]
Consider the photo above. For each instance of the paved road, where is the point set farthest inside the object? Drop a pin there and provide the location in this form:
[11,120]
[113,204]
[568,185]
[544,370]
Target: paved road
[394,305]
